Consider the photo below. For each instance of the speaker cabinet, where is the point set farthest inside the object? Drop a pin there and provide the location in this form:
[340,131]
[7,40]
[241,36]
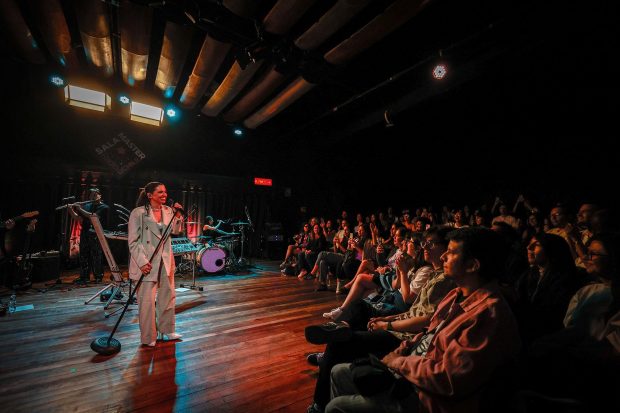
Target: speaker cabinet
[45,268]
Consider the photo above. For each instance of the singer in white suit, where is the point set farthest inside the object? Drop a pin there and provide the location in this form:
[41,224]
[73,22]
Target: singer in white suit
[147,223]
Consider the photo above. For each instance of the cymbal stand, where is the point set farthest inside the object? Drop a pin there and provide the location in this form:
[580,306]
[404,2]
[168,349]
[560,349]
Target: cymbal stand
[232,264]
[242,261]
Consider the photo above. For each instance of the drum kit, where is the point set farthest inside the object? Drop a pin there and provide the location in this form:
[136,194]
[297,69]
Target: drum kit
[215,254]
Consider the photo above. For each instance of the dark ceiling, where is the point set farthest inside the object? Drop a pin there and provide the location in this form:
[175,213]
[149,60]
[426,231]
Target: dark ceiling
[315,83]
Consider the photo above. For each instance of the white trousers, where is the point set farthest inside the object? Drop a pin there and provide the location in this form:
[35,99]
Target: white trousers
[152,317]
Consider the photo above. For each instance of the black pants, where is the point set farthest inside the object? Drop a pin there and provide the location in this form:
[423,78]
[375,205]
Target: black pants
[361,343]
[91,257]
[348,269]
[306,261]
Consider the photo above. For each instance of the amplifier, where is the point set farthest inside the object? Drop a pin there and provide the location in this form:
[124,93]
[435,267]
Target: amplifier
[45,268]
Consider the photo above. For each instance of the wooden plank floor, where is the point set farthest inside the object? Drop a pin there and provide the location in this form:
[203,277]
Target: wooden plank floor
[243,349]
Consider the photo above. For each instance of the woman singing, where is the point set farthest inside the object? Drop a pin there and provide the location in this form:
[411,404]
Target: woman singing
[147,223]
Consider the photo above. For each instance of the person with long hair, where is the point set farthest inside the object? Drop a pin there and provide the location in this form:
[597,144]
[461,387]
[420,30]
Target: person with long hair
[147,224]
[581,361]
[544,290]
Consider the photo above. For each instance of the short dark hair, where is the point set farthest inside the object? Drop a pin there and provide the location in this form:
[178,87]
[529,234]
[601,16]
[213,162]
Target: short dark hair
[484,245]
[440,232]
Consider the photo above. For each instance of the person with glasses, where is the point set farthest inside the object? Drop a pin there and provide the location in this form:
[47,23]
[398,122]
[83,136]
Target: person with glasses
[470,339]
[381,335]
[594,305]
[582,360]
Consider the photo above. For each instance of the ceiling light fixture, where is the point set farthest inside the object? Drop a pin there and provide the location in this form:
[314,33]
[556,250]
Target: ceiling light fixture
[440,70]
[57,80]
[144,113]
[87,98]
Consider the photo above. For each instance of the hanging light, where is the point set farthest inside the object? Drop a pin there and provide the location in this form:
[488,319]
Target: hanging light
[440,70]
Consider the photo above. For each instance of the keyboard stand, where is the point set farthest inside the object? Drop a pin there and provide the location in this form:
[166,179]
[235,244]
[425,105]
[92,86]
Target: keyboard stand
[117,283]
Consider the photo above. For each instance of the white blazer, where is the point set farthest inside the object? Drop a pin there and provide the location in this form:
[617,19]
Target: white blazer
[143,235]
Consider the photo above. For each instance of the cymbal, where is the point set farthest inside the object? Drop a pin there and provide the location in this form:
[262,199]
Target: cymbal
[239,223]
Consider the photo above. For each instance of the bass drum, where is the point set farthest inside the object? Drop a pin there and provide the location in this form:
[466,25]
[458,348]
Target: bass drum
[211,259]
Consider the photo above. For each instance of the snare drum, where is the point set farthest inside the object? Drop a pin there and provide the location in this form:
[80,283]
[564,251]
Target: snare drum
[211,259]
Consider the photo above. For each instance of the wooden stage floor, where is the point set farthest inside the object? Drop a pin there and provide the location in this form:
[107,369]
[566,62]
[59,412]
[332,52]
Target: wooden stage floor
[243,350]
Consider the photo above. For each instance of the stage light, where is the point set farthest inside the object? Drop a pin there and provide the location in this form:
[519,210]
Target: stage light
[238,131]
[124,99]
[144,113]
[173,113]
[57,80]
[87,98]
[439,71]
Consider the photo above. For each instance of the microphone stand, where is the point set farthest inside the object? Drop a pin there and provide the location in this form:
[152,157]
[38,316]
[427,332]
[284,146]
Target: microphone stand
[107,346]
[250,264]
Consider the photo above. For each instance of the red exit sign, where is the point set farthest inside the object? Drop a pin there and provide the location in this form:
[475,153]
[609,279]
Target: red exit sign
[263,181]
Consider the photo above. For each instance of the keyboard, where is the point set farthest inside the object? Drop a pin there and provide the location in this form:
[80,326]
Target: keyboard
[183,245]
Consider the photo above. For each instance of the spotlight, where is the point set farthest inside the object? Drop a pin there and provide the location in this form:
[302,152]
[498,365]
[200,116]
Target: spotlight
[440,71]
[124,99]
[238,131]
[57,80]
[173,113]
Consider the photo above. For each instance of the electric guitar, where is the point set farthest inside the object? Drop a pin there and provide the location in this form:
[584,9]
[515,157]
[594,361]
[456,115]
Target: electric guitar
[25,215]
[4,224]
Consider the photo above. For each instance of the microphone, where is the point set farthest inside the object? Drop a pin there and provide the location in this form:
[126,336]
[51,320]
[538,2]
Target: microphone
[171,204]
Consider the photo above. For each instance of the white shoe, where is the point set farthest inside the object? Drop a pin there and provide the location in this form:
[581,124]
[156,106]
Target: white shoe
[333,314]
[169,336]
[152,344]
